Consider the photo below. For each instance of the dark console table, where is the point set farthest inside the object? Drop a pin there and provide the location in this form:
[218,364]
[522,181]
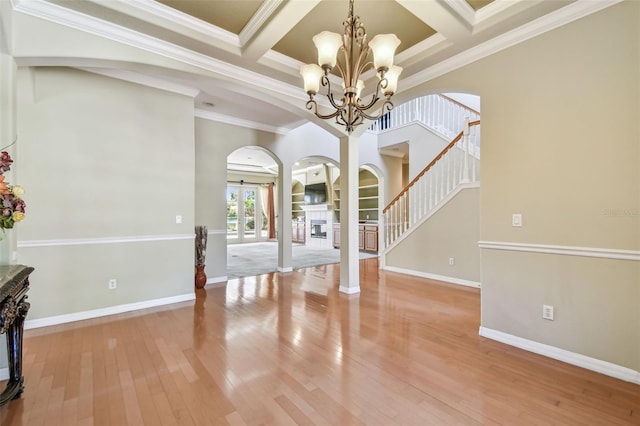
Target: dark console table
[14,284]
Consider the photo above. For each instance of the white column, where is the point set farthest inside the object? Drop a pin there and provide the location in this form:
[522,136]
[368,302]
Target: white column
[284,221]
[349,253]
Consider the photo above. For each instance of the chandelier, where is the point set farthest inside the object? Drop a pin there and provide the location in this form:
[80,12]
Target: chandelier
[351,110]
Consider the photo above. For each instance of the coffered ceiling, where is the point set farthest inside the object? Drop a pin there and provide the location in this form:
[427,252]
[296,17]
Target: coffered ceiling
[240,58]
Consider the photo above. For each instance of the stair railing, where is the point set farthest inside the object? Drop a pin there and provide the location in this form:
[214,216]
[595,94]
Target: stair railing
[458,163]
[439,112]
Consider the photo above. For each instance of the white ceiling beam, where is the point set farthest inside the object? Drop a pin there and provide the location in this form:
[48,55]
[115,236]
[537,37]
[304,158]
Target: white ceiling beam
[440,17]
[281,22]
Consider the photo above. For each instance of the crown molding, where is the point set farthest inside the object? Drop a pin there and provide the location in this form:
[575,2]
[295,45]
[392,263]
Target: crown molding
[495,8]
[464,10]
[145,80]
[525,32]
[214,116]
[179,21]
[262,15]
[60,15]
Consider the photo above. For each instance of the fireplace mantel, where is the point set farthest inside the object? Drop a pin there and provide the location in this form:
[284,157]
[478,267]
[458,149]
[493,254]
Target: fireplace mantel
[317,207]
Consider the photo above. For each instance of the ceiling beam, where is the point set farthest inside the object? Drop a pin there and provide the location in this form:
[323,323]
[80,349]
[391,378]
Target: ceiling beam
[439,17]
[281,22]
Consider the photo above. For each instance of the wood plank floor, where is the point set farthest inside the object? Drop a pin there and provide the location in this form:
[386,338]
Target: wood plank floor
[287,349]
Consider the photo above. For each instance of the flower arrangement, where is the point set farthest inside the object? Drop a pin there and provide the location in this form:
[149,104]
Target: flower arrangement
[201,244]
[13,206]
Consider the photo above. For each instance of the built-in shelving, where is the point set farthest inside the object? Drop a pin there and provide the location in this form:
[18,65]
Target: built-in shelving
[368,196]
[297,200]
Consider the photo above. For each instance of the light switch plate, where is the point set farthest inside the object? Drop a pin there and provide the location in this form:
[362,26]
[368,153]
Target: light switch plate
[178,219]
[516,219]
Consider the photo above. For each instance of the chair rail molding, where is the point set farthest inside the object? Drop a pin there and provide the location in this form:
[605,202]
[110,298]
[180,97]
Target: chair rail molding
[605,253]
[105,240]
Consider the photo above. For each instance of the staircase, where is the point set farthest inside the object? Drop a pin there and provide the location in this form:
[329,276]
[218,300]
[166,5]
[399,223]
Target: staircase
[455,167]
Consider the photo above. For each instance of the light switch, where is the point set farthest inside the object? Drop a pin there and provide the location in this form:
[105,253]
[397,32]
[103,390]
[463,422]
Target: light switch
[178,219]
[516,219]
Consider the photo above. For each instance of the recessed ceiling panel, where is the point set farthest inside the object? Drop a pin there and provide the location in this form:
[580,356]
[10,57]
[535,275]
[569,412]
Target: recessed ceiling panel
[230,15]
[478,4]
[377,16]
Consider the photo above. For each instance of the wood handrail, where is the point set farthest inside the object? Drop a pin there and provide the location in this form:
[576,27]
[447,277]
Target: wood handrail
[431,164]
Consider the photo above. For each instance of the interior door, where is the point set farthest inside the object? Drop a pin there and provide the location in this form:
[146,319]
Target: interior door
[249,198]
[232,213]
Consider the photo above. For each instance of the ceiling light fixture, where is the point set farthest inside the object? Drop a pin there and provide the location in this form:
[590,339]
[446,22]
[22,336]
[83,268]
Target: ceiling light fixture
[351,111]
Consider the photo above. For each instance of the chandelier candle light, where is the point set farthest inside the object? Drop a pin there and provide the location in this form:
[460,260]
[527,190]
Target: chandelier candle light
[351,111]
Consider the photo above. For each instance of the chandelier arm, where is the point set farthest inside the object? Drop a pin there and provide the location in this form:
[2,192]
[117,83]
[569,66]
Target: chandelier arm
[375,97]
[312,106]
[326,82]
[334,103]
[387,104]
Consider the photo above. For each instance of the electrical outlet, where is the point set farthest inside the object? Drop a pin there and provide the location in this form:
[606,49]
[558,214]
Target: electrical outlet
[547,312]
[451,261]
[113,284]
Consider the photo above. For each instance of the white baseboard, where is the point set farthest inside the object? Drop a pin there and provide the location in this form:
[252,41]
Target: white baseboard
[102,312]
[216,282]
[603,367]
[4,373]
[349,290]
[436,277]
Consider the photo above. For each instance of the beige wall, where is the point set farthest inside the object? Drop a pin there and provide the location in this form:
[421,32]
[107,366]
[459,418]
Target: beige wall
[561,146]
[452,231]
[103,159]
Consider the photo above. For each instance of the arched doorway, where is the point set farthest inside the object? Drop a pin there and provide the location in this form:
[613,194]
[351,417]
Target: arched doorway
[251,187]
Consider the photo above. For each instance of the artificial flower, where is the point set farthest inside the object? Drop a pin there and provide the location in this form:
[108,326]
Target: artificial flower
[17,216]
[17,190]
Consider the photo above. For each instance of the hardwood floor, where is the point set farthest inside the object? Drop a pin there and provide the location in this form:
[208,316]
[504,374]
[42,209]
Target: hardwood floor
[290,349]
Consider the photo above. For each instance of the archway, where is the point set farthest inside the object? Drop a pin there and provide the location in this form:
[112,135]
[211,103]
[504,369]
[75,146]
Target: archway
[251,184]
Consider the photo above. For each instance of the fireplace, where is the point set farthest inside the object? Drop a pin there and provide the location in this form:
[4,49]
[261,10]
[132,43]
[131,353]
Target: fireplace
[318,229]
[318,219]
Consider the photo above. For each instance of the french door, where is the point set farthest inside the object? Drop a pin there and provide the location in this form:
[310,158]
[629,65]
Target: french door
[244,214]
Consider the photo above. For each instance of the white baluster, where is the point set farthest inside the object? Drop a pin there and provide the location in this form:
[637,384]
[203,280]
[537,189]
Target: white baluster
[465,138]
[410,205]
[414,203]
[385,229]
[423,196]
[405,213]
[430,189]
[396,208]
